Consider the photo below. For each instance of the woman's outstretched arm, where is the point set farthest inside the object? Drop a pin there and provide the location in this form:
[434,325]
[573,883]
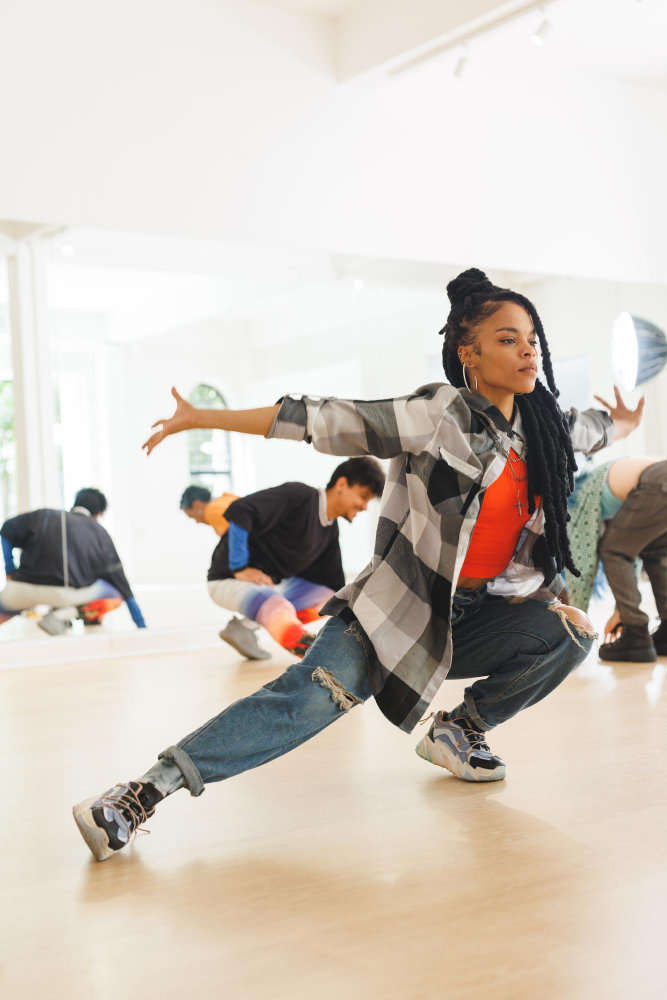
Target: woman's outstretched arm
[187,418]
[381,427]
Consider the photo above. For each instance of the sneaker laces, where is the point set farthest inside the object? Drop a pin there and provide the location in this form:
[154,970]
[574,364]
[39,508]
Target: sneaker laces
[474,740]
[129,804]
[472,737]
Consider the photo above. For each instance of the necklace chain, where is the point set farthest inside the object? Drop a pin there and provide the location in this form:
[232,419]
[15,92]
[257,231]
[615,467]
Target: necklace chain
[517,479]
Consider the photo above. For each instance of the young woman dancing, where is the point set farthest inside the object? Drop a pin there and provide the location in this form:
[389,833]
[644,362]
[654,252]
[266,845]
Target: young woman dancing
[471,542]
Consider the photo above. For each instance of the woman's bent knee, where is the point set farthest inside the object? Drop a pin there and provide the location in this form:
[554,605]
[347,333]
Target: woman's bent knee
[576,623]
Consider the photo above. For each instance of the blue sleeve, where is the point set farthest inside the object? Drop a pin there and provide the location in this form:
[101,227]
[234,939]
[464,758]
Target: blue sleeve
[8,555]
[135,611]
[239,550]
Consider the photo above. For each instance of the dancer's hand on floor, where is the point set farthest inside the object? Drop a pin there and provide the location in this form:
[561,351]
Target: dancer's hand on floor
[611,627]
[625,419]
[250,575]
[182,420]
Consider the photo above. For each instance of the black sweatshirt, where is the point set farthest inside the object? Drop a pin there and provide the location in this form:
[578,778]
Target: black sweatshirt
[91,555]
[286,537]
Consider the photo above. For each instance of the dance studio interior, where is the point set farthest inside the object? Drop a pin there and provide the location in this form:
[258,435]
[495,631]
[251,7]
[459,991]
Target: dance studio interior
[236,237]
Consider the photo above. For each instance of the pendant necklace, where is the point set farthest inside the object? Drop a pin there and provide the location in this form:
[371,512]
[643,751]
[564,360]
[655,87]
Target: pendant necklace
[517,479]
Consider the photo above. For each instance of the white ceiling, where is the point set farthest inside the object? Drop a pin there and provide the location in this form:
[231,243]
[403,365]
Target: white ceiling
[325,8]
[531,160]
[624,39]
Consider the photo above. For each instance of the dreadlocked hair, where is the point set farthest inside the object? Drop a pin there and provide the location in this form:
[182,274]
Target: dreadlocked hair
[550,457]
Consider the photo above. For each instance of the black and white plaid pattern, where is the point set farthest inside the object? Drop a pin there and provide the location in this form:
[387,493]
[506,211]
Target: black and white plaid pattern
[443,446]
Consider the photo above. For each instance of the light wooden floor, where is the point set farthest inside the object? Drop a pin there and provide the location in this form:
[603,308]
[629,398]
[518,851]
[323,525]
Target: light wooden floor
[350,868]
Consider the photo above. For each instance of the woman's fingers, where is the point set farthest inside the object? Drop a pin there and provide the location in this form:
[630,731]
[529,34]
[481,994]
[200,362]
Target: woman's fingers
[604,402]
[152,442]
[164,424]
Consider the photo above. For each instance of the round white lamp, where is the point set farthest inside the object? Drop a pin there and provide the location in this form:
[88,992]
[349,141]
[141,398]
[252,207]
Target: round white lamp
[638,351]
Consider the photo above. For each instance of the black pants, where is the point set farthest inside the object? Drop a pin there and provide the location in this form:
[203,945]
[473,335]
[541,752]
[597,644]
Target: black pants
[639,531]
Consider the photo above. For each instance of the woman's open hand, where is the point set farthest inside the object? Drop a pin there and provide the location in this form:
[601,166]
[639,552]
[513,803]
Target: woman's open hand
[625,419]
[182,420]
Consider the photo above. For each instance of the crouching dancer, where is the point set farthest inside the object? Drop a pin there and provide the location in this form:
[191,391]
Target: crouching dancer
[472,525]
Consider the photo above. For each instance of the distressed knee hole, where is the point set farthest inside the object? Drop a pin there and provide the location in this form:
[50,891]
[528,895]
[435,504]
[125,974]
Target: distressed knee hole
[355,633]
[569,623]
[344,699]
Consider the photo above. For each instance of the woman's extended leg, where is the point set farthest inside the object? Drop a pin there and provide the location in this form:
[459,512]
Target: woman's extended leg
[330,680]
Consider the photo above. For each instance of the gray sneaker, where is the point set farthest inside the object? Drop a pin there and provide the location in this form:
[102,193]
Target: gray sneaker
[243,640]
[54,626]
[461,749]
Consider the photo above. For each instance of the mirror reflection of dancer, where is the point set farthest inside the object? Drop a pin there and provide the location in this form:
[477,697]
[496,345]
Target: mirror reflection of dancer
[619,515]
[68,562]
[278,560]
[197,504]
[439,596]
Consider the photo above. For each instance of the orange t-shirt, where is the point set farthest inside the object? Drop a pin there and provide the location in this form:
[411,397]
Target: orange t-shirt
[215,509]
[500,522]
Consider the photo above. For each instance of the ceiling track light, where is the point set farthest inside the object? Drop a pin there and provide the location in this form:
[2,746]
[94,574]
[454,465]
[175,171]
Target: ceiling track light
[456,39]
[538,36]
[459,69]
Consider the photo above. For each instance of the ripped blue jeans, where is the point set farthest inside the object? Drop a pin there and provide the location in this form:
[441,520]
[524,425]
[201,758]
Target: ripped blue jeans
[520,652]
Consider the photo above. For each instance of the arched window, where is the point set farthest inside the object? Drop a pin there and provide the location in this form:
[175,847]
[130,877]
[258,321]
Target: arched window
[209,451]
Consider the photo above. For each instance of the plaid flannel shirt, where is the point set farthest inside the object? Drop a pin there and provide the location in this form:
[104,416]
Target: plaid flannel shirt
[444,452]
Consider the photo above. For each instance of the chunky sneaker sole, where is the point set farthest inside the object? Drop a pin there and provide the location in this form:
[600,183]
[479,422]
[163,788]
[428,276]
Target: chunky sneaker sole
[108,822]
[440,753]
[95,836]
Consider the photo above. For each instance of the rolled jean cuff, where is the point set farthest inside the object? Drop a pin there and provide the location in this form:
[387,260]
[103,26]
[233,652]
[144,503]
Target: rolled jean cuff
[468,708]
[191,776]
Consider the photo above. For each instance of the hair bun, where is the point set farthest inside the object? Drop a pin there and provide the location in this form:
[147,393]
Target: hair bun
[464,284]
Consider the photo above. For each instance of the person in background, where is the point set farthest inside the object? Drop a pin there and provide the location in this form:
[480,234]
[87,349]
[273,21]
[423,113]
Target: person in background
[619,516]
[196,502]
[280,560]
[68,562]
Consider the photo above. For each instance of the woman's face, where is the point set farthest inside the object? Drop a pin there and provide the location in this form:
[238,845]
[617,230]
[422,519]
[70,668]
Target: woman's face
[503,355]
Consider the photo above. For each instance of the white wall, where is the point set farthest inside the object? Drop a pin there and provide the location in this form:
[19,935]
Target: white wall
[223,120]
